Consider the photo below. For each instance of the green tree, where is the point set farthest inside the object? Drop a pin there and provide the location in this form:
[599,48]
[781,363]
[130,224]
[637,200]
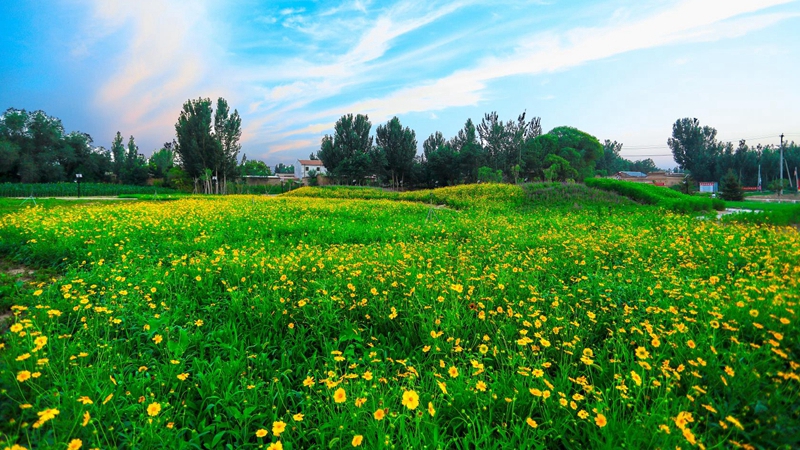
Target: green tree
[399,146]
[348,154]
[206,143]
[135,169]
[695,148]
[161,161]
[254,168]
[441,161]
[283,168]
[730,189]
[118,156]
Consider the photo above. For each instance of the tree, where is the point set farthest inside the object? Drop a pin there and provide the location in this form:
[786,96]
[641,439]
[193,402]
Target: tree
[227,131]
[254,167]
[471,155]
[558,169]
[135,170]
[118,155]
[611,162]
[399,146]
[348,154]
[283,168]
[441,161]
[161,161]
[730,189]
[203,143]
[695,148]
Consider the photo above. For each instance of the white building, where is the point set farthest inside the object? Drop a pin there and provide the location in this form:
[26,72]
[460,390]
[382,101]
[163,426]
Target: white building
[304,166]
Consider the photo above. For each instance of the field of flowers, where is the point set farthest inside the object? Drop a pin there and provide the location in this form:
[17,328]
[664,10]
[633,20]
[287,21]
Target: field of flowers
[301,322]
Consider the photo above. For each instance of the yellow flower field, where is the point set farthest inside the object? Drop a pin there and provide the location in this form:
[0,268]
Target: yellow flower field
[305,322]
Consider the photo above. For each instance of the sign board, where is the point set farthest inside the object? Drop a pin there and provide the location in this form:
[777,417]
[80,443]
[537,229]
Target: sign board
[708,186]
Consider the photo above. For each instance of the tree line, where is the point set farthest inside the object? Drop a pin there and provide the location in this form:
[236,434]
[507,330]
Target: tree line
[204,156]
[492,150]
[696,149]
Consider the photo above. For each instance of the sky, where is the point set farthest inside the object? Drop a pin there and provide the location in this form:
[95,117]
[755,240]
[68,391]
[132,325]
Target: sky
[619,70]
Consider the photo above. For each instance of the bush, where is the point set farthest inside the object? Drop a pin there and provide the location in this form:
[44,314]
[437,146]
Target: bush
[71,189]
[655,195]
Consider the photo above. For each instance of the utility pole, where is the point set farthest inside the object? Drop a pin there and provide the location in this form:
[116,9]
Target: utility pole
[781,191]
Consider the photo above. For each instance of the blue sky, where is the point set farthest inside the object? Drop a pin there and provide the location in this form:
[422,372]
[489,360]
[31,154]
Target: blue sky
[621,70]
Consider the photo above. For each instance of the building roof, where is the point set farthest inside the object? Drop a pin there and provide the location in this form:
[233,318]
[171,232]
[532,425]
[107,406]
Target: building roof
[310,162]
[634,174]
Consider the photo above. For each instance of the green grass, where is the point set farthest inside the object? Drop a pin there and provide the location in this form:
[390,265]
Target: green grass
[657,195]
[71,189]
[224,315]
[773,213]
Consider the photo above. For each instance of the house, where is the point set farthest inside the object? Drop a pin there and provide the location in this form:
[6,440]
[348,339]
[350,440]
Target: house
[658,178]
[304,166]
[629,176]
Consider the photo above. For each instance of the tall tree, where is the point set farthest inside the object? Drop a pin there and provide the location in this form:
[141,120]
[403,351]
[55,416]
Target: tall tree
[471,155]
[399,146]
[118,155]
[695,148]
[348,154]
[227,131]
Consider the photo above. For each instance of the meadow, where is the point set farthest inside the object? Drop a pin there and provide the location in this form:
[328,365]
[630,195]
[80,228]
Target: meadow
[488,316]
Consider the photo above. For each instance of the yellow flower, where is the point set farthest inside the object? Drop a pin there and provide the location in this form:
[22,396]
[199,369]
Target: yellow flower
[360,401]
[583,414]
[298,417]
[157,339]
[86,418]
[481,386]
[308,382]
[531,422]
[367,375]
[636,378]
[453,372]
[278,427]
[23,376]
[275,446]
[198,278]
[75,444]
[183,376]
[340,396]
[261,432]
[44,416]
[357,439]
[199,322]
[600,420]
[379,414]
[431,410]
[483,349]
[410,399]
[16,328]
[153,409]
[642,353]
[442,386]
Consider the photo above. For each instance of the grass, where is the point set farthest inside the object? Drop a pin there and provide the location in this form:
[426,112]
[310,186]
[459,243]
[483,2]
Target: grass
[71,189]
[657,195]
[769,213]
[245,321]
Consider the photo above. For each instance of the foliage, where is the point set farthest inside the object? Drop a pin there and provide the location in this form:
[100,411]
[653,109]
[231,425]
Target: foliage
[656,195]
[71,189]
[283,168]
[34,147]
[162,161]
[488,175]
[730,189]
[399,146]
[255,167]
[204,143]
[771,213]
[695,148]
[348,154]
[305,320]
